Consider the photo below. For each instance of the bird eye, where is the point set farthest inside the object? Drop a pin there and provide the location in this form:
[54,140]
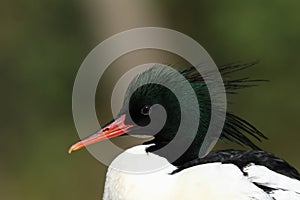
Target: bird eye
[145,110]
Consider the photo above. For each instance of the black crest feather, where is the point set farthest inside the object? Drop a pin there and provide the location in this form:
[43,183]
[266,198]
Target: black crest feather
[235,129]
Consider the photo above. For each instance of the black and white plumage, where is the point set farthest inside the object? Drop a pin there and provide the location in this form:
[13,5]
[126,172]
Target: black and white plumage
[227,174]
[272,174]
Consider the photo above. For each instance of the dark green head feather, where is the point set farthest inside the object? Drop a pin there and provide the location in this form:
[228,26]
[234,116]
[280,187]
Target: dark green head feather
[149,88]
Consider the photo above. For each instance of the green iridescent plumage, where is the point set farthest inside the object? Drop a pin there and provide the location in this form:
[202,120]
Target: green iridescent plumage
[149,89]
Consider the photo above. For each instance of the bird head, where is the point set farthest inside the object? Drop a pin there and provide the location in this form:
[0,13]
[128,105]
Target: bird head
[151,107]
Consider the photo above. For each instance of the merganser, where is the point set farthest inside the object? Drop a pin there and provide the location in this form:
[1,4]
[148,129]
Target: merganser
[225,174]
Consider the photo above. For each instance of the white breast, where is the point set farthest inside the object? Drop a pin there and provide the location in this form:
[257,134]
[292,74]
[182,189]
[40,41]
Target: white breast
[213,181]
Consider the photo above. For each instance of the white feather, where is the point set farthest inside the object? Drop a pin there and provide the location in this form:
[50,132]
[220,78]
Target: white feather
[285,188]
[212,181]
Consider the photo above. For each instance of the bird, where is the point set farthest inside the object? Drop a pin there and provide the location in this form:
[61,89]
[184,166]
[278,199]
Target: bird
[218,174]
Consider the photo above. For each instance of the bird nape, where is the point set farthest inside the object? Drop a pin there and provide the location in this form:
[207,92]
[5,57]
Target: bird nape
[244,168]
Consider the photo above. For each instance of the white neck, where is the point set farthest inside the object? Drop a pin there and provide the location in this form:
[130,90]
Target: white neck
[135,173]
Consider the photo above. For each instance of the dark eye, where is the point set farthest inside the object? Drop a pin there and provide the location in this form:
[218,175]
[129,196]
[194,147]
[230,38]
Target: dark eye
[145,110]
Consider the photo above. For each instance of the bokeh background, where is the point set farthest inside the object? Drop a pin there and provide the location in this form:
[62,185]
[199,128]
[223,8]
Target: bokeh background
[44,42]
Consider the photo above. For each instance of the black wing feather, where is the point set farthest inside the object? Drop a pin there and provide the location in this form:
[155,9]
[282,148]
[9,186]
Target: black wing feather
[243,158]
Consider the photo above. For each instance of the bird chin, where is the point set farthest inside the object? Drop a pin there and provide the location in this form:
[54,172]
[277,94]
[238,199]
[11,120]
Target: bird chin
[128,141]
[146,137]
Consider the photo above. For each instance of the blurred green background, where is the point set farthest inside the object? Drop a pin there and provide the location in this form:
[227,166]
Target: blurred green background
[44,42]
